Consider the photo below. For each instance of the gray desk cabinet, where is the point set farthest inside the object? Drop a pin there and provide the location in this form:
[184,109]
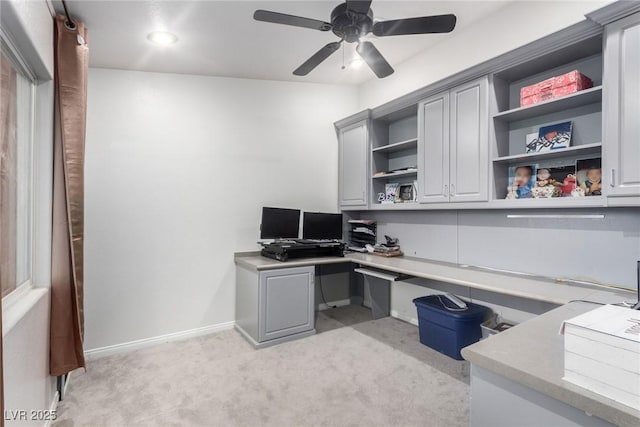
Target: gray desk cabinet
[621,106]
[453,145]
[353,152]
[274,306]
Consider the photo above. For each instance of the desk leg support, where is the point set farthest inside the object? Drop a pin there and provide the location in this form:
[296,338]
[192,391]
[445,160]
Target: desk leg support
[380,290]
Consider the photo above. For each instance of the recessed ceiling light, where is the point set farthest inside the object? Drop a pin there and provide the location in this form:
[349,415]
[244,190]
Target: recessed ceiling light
[162,37]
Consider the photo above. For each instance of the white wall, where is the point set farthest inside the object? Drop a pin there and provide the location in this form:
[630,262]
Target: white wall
[27,384]
[509,28]
[177,170]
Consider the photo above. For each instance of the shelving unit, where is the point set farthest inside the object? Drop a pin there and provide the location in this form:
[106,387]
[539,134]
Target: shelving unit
[410,144]
[394,145]
[579,150]
[511,123]
[578,99]
[396,175]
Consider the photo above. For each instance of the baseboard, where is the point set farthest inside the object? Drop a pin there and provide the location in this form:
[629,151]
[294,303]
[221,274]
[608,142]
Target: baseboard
[52,408]
[97,353]
[331,304]
[404,318]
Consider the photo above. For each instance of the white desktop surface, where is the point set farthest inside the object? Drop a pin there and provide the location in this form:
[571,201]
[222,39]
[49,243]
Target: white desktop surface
[507,284]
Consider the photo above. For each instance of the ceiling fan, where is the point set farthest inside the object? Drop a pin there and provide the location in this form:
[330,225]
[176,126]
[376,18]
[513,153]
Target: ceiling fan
[352,20]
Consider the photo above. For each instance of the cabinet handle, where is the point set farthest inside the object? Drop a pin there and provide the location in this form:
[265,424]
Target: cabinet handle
[446,190]
[612,181]
[453,190]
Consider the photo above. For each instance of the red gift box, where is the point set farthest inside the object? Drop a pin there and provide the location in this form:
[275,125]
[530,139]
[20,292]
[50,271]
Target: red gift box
[555,87]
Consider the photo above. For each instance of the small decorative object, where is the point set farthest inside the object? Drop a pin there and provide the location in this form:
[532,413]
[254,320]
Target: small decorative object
[555,87]
[406,193]
[545,192]
[589,176]
[577,192]
[512,192]
[552,137]
[568,185]
[384,199]
[521,181]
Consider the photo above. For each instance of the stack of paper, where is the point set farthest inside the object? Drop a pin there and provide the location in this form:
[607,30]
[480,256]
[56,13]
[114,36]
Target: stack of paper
[602,353]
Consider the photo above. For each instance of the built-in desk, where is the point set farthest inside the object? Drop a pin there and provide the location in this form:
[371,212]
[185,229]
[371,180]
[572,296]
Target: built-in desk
[524,364]
[545,290]
[516,379]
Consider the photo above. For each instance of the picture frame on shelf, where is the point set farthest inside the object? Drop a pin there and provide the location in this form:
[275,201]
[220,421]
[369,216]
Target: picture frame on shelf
[555,181]
[391,191]
[406,193]
[522,180]
[589,176]
[551,138]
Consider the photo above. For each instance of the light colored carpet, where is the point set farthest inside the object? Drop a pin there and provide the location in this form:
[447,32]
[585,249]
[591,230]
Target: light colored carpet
[353,372]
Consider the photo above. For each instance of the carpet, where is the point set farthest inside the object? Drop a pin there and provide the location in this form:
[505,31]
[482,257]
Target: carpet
[354,372]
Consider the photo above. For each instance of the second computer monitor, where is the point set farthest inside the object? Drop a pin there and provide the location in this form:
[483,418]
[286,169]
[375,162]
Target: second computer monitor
[321,226]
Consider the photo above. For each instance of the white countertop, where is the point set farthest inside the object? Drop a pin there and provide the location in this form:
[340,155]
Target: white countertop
[532,354]
[518,286]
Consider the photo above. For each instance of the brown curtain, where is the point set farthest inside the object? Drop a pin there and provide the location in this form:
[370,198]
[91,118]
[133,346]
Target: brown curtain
[67,311]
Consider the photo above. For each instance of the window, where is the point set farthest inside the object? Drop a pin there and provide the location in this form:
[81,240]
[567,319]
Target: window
[16,172]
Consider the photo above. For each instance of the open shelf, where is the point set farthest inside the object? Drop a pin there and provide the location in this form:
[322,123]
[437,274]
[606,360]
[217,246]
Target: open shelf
[578,99]
[409,144]
[395,174]
[578,150]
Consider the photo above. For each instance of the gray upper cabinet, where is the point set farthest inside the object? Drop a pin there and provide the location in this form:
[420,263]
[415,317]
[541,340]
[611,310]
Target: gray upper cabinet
[621,105]
[453,145]
[353,152]
[469,142]
[433,149]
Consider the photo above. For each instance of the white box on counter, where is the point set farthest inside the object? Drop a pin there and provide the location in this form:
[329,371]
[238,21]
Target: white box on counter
[602,353]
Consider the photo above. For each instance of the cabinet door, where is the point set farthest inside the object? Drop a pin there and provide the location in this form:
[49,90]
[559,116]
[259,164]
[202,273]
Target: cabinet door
[433,149]
[621,105]
[353,160]
[285,302]
[469,142]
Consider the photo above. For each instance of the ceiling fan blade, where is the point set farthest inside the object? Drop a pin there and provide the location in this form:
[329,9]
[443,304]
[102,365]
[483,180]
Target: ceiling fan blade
[374,59]
[359,6]
[316,59]
[296,21]
[422,25]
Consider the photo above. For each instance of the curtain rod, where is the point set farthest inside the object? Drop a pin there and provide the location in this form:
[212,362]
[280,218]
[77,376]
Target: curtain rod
[69,22]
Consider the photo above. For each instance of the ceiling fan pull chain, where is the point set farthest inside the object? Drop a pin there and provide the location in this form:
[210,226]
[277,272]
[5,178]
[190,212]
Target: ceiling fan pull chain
[343,66]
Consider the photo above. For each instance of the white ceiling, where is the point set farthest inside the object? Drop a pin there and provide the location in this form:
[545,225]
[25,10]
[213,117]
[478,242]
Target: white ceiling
[220,38]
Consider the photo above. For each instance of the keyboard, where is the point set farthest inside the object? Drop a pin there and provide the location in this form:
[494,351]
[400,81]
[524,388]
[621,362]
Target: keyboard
[314,241]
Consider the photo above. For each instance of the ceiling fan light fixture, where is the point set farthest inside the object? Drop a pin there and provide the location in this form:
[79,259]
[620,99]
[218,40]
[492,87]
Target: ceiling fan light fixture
[162,38]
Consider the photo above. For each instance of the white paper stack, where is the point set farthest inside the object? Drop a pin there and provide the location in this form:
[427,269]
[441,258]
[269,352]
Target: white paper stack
[602,353]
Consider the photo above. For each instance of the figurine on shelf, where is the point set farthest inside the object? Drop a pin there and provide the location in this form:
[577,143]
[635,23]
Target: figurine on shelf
[577,192]
[568,185]
[546,186]
[512,192]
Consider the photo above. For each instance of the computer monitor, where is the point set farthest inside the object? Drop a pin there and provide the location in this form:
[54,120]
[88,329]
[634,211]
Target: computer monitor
[316,225]
[278,223]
